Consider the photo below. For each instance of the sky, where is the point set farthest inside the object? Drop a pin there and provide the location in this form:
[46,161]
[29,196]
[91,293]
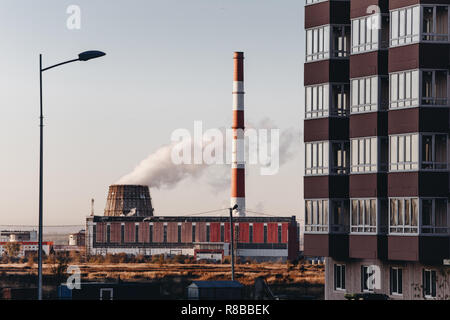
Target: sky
[169,63]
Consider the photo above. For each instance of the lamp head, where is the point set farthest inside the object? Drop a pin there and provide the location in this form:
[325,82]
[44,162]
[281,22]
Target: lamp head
[235,207]
[88,55]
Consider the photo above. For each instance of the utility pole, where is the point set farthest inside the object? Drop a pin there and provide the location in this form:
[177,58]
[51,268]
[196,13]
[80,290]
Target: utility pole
[232,241]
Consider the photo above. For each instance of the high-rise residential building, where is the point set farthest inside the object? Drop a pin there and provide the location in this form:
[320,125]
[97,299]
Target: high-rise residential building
[376,130]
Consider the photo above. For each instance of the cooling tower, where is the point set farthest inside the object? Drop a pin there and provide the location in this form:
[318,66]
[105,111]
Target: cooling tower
[128,200]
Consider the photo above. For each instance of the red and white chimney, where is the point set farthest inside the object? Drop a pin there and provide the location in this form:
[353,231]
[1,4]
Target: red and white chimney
[238,151]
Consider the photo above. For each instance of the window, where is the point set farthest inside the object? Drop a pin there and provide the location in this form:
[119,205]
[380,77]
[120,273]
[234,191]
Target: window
[396,280]
[364,155]
[265,233]
[320,101]
[434,151]
[364,92]
[340,157]
[435,23]
[365,33]
[222,233]
[434,87]
[179,233]
[367,278]
[429,283]
[280,234]
[150,230]
[340,213]
[340,99]
[108,233]
[404,89]
[122,233]
[250,233]
[340,36]
[405,24]
[106,293]
[208,233]
[339,277]
[318,43]
[404,152]
[434,216]
[403,215]
[316,162]
[136,233]
[165,234]
[193,232]
[316,215]
[317,101]
[364,215]
[236,233]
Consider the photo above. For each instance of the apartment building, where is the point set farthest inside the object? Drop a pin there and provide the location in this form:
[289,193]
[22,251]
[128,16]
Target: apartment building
[376,129]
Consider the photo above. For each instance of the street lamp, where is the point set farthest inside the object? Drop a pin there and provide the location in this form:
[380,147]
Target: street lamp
[232,240]
[84,56]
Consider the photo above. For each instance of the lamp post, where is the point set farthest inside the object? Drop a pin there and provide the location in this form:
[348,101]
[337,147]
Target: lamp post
[232,240]
[84,56]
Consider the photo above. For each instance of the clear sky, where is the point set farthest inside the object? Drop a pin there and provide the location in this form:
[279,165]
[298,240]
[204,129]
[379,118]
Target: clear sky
[168,63]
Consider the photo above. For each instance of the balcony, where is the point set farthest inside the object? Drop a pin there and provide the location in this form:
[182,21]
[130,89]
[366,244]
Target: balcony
[326,228]
[368,228]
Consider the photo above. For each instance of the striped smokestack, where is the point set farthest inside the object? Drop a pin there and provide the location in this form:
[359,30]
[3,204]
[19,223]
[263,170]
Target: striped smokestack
[238,155]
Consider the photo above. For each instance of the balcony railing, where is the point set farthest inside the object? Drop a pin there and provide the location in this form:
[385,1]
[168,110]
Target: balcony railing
[324,228]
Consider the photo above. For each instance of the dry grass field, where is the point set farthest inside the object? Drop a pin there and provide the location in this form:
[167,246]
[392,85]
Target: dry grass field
[284,279]
[245,273]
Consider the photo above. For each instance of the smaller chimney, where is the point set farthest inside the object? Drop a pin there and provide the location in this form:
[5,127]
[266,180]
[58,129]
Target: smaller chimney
[92,207]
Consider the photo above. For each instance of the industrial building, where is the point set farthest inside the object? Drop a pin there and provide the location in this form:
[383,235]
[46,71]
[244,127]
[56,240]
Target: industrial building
[27,247]
[129,226]
[259,238]
[376,128]
[15,235]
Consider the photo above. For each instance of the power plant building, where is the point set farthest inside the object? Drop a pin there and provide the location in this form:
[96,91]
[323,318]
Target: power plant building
[256,238]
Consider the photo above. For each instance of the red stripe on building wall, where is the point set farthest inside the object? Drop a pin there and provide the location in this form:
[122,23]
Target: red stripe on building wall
[214,230]
[172,232]
[272,232]
[129,232]
[244,229]
[200,232]
[101,230]
[186,232]
[258,232]
[115,232]
[158,232]
[284,234]
[144,234]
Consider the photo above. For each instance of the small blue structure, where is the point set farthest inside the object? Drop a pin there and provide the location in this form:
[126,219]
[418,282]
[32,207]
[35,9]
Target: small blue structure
[215,290]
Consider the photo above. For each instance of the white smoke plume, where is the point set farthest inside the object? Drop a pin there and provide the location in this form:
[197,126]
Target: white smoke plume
[159,171]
